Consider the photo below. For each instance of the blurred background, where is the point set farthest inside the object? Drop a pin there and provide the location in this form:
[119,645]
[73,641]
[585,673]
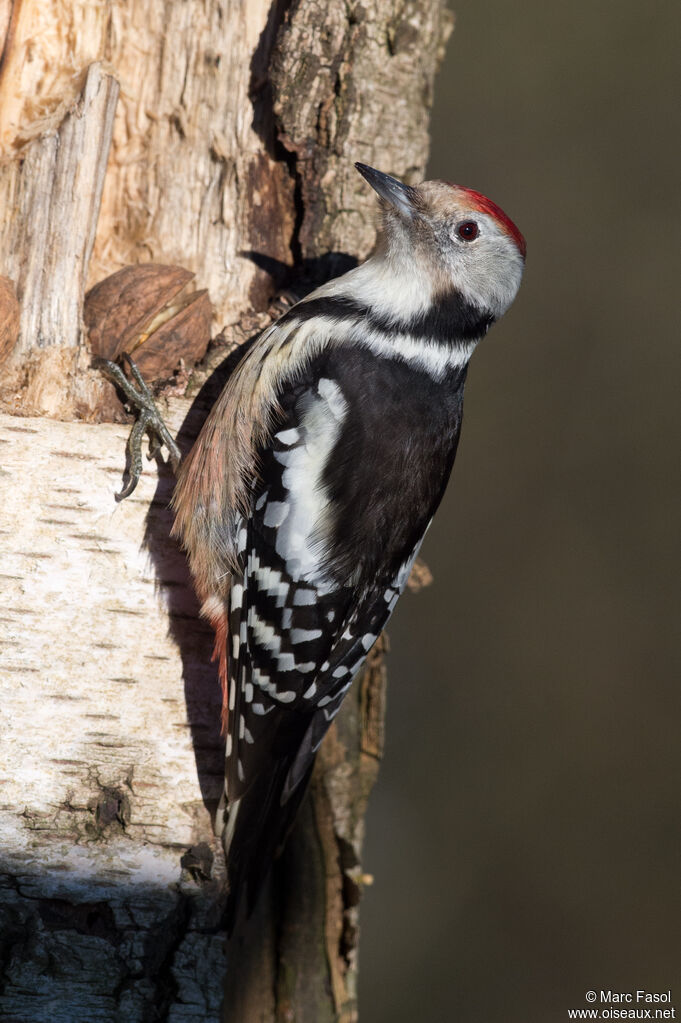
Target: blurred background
[525,831]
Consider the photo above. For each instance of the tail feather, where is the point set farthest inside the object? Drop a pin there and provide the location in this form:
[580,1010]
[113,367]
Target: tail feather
[255,829]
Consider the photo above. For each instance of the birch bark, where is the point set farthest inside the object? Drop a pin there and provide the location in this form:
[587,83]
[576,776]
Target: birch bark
[218,136]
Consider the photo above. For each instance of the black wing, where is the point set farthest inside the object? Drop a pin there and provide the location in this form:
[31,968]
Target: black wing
[324,556]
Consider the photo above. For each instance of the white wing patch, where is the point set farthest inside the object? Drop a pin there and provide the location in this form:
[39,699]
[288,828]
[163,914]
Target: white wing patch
[275,513]
[304,527]
[288,437]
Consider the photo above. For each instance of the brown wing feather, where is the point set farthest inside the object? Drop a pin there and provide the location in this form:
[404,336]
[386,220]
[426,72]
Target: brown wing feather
[215,481]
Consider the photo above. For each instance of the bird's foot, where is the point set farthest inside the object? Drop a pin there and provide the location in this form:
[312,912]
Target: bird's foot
[149,421]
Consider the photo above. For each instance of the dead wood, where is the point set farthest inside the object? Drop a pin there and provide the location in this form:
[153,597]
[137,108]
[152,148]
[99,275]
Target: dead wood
[219,139]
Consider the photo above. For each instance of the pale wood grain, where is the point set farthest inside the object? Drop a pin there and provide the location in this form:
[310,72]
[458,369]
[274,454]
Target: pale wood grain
[232,149]
[50,206]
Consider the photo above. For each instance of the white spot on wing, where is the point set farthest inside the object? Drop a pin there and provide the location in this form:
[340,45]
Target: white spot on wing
[332,394]
[275,513]
[403,573]
[288,437]
[260,679]
[264,634]
[304,635]
[286,457]
[270,580]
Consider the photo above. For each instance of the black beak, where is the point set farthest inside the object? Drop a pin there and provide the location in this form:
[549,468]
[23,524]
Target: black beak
[403,198]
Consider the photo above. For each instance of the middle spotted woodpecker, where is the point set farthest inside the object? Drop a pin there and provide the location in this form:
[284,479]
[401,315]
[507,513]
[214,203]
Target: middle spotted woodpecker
[308,492]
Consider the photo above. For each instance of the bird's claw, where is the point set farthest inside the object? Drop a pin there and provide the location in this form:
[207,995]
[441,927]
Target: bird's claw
[149,421]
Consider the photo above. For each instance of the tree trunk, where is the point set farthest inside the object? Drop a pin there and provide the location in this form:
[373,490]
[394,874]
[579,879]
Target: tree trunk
[220,138]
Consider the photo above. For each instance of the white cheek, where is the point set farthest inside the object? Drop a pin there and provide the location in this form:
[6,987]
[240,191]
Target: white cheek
[503,273]
[488,273]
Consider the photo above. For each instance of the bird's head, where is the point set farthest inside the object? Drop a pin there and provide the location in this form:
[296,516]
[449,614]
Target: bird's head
[453,236]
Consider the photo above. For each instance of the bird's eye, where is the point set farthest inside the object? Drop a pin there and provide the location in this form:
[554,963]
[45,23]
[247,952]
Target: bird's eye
[468,230]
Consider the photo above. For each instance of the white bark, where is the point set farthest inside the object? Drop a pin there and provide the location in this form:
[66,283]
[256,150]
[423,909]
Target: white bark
[106,689]
[231,155]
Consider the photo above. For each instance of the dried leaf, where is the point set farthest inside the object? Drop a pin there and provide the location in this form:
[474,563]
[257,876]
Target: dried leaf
[419,576]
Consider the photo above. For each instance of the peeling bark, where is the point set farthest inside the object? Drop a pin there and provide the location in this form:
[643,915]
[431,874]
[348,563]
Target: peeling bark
[230,153]
[50,200]
[113,764]
[111,759]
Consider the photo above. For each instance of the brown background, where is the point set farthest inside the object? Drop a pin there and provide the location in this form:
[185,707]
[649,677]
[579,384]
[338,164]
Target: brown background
[525,830]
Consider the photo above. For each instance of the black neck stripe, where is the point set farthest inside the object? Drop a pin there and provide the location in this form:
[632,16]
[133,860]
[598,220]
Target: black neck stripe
[449,319]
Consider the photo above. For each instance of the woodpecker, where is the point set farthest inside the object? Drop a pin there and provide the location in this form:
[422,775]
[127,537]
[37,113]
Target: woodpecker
[306,496]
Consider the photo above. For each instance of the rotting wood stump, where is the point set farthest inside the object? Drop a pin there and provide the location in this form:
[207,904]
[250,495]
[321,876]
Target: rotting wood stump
[218,139]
